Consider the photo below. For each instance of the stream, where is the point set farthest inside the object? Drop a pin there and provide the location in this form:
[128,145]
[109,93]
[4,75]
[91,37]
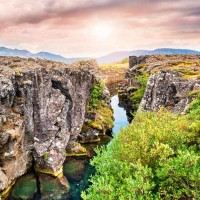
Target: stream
[120,117]
[76,170]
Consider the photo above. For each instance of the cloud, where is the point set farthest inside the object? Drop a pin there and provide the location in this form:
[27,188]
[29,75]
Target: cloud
[65,26]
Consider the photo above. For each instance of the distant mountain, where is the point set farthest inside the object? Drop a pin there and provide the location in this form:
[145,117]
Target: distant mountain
[14,52]
[118,56]
[43,55]
[110,58]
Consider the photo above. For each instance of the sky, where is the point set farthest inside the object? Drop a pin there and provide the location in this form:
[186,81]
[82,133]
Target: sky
[97,27]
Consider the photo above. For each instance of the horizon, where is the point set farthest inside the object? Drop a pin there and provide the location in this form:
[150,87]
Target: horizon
[100,56]
[94,29]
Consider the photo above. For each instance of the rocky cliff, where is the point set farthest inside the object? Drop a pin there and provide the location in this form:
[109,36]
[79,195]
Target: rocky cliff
[171,80]
[42,110]
[168,89]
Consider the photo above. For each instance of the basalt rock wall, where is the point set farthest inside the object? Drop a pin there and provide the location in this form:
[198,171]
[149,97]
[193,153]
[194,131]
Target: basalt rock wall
[167,89]
[172,78]
[42,108]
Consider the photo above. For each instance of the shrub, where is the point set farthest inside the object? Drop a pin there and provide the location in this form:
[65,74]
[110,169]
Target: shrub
[179,177]
[194,108]
[96,95]
[153,136]
[193,114]
[154,158]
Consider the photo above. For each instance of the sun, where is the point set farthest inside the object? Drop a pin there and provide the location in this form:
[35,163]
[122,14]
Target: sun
[102,31]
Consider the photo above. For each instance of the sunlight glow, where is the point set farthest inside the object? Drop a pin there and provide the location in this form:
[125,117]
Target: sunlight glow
[102,31]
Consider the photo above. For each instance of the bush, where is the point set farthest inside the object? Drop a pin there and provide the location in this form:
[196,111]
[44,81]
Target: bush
[194,108]
[179,177]
[96,95]
[154,158]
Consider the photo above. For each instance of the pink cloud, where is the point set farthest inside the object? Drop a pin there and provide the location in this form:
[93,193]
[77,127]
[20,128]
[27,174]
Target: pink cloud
[65,26]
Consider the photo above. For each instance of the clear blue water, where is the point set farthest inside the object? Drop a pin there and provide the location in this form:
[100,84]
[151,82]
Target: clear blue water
[120,116]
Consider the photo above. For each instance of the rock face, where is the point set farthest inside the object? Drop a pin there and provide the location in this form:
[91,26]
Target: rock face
[42,108]
[168,89]
[172,77]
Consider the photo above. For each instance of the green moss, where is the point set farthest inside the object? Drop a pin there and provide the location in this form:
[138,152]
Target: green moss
[193,113]
[58,173]
[194,93]
[104,118]
[46,156]
[5,193]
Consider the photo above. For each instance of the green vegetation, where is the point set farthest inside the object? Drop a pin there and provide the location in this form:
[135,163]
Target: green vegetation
[136,96]
[96,95]
[25,188]
[103,120]
[194,109]
[156,157]
[46,156]
[194,115]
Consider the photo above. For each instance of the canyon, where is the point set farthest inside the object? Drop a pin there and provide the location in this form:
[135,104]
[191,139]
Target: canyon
[50,111]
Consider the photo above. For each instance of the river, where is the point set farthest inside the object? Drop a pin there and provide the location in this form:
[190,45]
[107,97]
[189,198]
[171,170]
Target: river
[120,117]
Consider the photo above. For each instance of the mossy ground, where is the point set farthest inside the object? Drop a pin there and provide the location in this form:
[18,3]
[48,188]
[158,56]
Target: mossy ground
[188,68]
[113,74]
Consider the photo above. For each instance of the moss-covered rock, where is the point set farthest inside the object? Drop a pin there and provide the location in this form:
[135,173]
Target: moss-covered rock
[99,115]
[58,173]
[75,149]
[53,188]
[98,125]
[104,119]
[74,169]
[25,188]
